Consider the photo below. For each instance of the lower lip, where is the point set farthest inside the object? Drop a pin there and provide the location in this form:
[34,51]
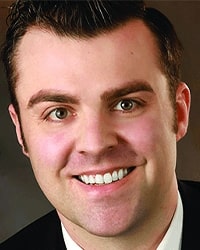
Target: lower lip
[107,188]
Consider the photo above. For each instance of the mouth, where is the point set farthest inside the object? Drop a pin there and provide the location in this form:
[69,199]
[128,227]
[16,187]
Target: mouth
[107,178]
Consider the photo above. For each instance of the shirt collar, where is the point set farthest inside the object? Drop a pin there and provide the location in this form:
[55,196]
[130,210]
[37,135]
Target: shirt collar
[70,244]
[172,239]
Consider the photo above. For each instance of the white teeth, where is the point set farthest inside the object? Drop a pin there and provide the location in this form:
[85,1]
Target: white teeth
[125,171]
[86,179]
[91,179]
[104,179]
[99,179]
[107,178]
[114,176]
[120,174]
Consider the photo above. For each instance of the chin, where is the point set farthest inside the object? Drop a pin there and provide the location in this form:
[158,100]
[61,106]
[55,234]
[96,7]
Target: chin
[108,229]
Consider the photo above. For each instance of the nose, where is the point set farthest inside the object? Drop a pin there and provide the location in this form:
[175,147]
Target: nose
[96,135]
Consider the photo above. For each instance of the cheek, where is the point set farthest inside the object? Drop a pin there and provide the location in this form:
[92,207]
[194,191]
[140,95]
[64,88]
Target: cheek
[49,156]
[49,151]
[153,139]
[142,134]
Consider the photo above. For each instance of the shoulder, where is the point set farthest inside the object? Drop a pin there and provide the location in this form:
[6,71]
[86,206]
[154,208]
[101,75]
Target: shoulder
[190,195]
[189,187]
[37,235]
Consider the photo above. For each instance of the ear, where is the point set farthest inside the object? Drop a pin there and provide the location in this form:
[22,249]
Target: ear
[183,100]
[15,120]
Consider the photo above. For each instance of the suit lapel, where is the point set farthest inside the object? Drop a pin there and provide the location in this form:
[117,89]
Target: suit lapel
[190,194]
[53,238]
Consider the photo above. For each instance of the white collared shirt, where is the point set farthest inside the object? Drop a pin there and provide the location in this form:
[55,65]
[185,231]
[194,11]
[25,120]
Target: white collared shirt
[172,239]
[69,243]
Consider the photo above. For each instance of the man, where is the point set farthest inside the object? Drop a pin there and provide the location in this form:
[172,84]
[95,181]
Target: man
[98,105]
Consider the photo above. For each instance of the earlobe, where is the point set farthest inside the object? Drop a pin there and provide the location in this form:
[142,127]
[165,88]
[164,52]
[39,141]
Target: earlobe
[15,119]
[183,100]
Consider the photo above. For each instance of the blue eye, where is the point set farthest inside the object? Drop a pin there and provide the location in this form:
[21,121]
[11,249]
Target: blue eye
[126,105]
[58,114]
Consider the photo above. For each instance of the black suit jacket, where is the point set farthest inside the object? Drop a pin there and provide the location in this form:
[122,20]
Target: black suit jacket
[46,233]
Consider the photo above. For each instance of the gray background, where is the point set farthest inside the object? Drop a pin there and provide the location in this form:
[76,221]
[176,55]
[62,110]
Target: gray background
[21,201]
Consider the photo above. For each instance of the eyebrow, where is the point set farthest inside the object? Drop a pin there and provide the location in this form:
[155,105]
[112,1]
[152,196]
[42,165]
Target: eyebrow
[51,96]
[55,96]
[128,88]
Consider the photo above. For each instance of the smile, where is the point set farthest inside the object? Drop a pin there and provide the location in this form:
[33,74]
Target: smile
[106,178]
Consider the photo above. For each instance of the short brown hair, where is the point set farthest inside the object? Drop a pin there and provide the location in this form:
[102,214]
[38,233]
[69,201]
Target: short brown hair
[88,19]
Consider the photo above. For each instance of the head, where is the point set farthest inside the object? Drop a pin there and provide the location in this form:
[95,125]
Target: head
[97,99]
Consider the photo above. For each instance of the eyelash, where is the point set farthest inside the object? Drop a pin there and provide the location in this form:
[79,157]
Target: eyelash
[58,109]
[135,105]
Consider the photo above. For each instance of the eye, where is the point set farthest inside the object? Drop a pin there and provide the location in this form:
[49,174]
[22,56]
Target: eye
[58,114]
[126,105]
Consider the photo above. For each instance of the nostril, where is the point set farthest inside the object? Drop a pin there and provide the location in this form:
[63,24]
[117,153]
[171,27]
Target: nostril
[110,148]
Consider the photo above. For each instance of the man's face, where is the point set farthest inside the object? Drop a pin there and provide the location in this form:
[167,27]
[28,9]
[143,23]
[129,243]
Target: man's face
[98,124]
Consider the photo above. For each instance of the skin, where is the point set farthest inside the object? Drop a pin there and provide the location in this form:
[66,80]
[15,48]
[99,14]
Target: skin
[89,79]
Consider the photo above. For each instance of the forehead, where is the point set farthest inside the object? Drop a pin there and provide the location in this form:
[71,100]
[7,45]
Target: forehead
[134,32]
[43,57]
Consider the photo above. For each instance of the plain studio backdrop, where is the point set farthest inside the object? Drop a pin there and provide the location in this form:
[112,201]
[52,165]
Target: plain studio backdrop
[21,200]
